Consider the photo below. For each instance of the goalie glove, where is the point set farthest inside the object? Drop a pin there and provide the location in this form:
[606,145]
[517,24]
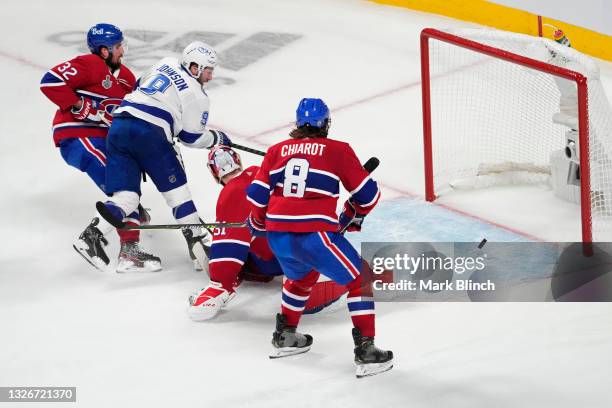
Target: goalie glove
[350,220]
[257,228]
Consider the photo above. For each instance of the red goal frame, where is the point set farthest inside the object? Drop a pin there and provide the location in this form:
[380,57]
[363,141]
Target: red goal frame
[583,119]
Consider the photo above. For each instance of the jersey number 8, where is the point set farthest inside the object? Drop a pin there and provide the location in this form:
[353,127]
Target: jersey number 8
[296,172]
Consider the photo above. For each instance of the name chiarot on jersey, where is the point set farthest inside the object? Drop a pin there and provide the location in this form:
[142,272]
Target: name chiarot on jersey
[311,149]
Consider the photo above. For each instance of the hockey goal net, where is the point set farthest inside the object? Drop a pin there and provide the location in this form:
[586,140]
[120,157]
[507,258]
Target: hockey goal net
[489,98]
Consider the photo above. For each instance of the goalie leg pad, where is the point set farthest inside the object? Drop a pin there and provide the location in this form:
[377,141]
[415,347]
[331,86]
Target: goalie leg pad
[207,304]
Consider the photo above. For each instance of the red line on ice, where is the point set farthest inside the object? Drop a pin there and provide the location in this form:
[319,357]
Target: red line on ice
[253,138]
[22,60]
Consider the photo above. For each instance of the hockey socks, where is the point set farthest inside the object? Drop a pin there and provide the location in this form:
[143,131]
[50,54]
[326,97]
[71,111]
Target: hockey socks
[295,295]
[360,302]
[361,307]
[126,236]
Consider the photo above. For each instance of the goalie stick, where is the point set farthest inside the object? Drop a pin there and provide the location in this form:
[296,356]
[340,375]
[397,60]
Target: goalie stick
[248,149]
[108,216]
[369,165]
[206,225]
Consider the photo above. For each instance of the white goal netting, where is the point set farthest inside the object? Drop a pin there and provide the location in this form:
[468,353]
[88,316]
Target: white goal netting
[493,120]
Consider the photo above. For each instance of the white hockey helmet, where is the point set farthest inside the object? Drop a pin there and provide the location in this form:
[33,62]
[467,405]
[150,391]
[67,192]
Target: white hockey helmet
[222,160]
[201,54]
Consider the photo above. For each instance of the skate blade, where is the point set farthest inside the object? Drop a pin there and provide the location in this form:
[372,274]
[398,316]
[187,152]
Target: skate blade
[288,351]
[147,268]
[368,370]
[95,262]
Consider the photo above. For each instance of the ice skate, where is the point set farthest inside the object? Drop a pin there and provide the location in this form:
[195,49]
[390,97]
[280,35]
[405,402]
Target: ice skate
[198,251]
[90,245]
[133,259]
[208,302]
[370,359]
[288,342]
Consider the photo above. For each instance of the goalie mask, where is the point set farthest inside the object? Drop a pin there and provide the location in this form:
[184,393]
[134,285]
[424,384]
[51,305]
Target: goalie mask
[222,160]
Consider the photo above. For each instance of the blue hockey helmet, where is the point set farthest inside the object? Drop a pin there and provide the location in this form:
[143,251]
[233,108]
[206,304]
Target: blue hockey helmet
[103,35]
[313,112]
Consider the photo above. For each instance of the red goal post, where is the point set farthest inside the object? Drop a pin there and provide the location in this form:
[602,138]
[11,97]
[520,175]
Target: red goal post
[430,34]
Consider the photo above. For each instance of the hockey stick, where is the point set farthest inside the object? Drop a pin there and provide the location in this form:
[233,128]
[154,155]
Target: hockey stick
[248,149]
[203,224]
[188,226]
[108,216]
[370,166]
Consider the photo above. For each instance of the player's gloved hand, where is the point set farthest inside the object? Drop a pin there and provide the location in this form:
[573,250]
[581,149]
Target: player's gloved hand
[221,138]
[106,108]
[350,219]
[87,111]
[257,228]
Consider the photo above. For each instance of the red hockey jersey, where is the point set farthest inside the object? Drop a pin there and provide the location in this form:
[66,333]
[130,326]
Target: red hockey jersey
[231,246]
[298,185]
[90,77]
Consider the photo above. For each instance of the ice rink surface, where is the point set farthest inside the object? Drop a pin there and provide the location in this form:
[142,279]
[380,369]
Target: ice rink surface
[127,341]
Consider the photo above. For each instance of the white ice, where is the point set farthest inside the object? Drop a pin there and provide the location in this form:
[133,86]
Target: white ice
[127,341]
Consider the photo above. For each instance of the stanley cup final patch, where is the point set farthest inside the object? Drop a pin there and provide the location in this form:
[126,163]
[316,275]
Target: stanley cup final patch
[107,83]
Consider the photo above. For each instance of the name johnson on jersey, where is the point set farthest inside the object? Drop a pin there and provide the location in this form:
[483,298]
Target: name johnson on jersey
[178,80]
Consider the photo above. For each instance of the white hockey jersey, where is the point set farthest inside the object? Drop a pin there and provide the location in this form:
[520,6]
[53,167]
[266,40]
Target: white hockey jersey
[170,98]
